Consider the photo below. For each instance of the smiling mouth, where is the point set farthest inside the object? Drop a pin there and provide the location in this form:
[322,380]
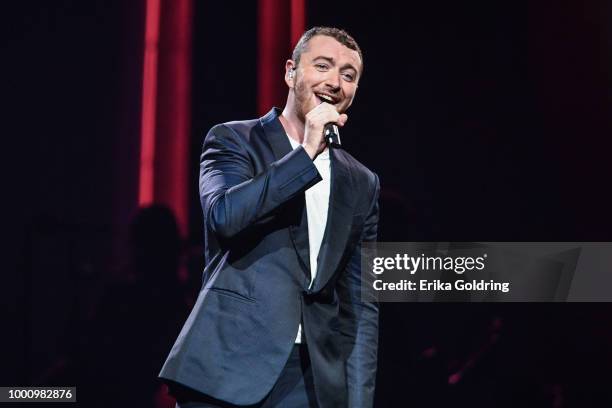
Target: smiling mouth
[326,98]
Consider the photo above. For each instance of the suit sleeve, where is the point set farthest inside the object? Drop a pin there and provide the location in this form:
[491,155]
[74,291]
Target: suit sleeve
[232,196]
[359,315]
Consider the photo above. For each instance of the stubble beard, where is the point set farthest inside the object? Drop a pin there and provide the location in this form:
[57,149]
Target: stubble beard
[302,96]
[300,100]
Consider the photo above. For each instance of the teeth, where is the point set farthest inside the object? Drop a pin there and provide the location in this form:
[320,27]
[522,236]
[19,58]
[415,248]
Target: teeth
[326,98]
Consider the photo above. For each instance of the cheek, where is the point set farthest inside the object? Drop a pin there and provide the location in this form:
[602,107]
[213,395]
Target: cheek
[349,98]
[349,90]
[301,90]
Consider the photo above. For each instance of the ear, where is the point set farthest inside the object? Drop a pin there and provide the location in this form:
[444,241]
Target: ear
[290,73]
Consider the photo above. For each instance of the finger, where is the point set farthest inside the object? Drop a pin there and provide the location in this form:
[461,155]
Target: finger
[322,110]
[325,114]
[342,119]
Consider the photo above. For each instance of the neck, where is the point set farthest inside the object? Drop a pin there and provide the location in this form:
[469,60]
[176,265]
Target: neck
[292,123]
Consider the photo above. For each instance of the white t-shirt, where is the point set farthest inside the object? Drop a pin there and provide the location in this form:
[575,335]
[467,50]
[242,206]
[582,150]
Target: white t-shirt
[317,205]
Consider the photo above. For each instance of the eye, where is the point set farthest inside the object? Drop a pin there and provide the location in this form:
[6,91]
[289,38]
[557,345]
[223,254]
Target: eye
[321,67]
[348,77]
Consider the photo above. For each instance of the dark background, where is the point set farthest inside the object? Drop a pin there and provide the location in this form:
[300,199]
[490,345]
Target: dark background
[485,121]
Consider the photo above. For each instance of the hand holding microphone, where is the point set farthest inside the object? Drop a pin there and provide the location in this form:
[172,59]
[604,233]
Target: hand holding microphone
[322,128]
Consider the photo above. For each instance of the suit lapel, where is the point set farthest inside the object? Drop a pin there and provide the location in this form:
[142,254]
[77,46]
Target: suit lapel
[339,220]
[275,133]
[277,137]
[299,235]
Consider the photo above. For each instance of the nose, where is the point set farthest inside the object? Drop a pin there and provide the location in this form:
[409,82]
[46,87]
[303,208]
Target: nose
[332,82]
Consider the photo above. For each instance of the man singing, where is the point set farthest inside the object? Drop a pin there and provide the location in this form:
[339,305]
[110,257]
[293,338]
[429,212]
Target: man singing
[281,320]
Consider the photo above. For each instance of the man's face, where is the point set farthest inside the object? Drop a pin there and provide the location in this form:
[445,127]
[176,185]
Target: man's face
[327,72]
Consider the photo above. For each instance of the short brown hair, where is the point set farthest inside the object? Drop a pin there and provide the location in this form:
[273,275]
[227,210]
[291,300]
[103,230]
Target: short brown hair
[338,34]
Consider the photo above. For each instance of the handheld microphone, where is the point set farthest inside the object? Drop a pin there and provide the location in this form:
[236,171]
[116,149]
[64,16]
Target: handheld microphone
[332,134]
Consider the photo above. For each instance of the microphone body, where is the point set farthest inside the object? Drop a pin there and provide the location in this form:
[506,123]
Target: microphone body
[332,134]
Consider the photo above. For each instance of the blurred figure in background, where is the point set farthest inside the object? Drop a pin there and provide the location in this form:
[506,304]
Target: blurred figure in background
[138,318]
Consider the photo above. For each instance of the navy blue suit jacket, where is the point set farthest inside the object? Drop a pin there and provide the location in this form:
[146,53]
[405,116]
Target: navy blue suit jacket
[255,283]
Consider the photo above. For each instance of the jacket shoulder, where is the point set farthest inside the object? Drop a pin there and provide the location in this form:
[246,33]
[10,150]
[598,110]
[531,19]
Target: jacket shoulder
[242,126]
[238,130]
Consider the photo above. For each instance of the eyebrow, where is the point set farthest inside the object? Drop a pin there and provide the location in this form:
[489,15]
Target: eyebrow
[331,61]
